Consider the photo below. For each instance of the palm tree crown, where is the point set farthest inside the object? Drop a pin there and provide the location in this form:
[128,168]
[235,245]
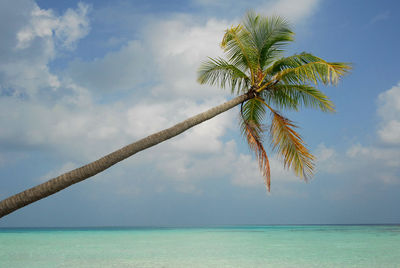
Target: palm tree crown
[255,65]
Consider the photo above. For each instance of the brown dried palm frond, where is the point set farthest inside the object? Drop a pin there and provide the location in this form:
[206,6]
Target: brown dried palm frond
[255,144]
[291,146]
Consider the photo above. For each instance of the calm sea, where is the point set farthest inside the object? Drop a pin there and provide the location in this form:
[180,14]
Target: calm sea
[234,246]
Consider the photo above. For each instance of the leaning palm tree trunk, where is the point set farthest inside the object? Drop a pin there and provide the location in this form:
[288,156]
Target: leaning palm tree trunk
[61,182]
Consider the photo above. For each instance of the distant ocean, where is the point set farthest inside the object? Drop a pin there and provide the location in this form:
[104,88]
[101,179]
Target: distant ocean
[233,246]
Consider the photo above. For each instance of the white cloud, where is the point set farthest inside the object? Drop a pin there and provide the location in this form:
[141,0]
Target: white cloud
[328,160]
[44,24]
[206,137]
[390,132]
[386,156]
[389,111]
[73,25]
[377,162]
[164,61]
[178,47]
[31,41]
[215,2]
[293,10]
[120,70]
[246,172]
[96,129]
[380,160]
[389,103]
[168,55]
[373,162]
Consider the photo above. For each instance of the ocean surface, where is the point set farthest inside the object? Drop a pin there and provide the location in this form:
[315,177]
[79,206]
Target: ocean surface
[233,246]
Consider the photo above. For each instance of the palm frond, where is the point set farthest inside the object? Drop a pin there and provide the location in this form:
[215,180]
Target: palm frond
[237,46]
[252,114]
[220,72]
[255,144]
[268,36]
[293,96]
[253,110]
[305,68]
[290,146]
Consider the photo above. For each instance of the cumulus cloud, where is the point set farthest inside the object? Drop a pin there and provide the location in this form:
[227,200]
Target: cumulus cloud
[162,62]
[389,111]
[390,133]
[119,70]
[61,113]
[44,24]
[328,160]
[247,172]
[30,42]
[228,162]
[377,162]
[293,10]
[384,156]
[389,157]
[179,45]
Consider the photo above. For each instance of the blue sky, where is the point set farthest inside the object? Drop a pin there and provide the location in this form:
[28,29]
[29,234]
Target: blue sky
[80,79]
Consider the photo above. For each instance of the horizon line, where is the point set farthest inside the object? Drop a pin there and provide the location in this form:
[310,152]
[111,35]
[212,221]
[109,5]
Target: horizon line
[192,226]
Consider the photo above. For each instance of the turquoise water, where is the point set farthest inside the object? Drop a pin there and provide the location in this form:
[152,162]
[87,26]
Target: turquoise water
[244,246]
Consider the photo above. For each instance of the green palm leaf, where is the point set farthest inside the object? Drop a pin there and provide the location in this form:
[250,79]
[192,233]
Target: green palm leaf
[237,46]
[220,72]
[268,36]
[293,96]
[305,68]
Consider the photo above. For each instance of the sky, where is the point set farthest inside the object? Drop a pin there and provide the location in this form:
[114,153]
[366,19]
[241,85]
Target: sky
[79,79]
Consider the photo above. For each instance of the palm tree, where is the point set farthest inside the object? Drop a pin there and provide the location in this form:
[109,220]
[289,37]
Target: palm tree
[255,66]
[257,72]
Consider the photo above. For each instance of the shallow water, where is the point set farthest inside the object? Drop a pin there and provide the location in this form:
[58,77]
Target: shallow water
[234,246]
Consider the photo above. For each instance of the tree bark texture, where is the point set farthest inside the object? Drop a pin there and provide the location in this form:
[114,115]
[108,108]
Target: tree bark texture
[65,180]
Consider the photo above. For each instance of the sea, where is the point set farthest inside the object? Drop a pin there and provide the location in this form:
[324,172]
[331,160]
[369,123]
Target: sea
[192,247]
